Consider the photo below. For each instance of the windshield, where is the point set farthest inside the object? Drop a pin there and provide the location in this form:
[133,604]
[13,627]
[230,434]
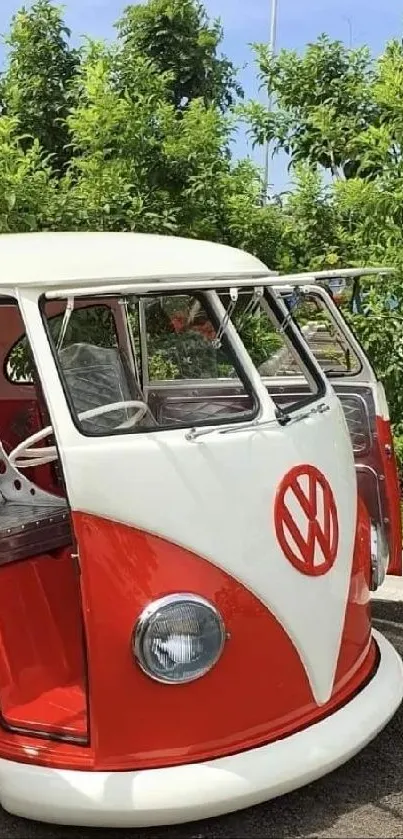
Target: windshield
[132,364]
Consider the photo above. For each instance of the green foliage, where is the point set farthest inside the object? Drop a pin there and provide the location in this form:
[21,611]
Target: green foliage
[310,239]
[137,166]
[26,187]
[113,180]
[110,121]
[162,368]
[260,341]
[35,86]
[177,37]
[244,222]
[323,100]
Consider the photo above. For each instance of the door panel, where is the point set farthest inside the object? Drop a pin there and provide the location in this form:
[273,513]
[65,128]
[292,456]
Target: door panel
[365,410]
[361,397]
[216,498]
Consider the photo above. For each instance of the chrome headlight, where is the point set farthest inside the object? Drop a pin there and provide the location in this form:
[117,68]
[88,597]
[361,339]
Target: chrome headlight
[178,638]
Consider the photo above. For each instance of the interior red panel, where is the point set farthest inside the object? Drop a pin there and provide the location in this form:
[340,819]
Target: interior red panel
[19,418]
[42,662]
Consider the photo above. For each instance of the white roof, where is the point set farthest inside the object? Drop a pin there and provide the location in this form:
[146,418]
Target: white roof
[51,260]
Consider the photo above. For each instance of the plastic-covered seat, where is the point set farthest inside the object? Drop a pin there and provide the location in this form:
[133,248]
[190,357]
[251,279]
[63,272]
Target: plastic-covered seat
[97,376]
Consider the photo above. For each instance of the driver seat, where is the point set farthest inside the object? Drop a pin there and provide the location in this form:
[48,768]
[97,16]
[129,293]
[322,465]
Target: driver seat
[98,376]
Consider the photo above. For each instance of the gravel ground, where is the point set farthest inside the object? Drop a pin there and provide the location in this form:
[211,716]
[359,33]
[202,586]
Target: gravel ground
[362,799]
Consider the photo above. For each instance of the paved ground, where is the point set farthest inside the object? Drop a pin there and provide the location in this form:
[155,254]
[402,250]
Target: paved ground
[362,799]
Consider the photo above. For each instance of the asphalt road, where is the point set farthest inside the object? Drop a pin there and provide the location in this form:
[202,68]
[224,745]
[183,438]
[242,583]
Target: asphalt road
[362,799]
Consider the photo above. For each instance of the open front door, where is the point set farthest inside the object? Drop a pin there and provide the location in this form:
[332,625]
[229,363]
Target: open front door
[363,400]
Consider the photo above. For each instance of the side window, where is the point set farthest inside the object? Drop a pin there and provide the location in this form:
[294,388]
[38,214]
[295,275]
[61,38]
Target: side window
[181,341]
[92,325]
[272,354]
[277,351]
[19,363]
[323,337]
[190,367]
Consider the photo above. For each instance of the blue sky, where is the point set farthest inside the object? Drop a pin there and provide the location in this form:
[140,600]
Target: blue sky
[245,21]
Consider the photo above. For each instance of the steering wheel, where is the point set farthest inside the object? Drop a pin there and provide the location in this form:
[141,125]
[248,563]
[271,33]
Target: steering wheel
[23,456]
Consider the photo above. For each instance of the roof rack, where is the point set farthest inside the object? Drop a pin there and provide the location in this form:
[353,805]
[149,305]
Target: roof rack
[312,277]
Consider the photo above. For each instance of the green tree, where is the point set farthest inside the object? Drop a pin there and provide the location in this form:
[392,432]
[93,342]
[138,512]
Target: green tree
[35,86]
[112,181]
[179,39]
[136,166]
[244,222]
[323,98]
[27,190]
[310,223]
[108,119]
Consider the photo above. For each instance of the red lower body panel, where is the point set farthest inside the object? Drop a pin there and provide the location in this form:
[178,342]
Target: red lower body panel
[258,692]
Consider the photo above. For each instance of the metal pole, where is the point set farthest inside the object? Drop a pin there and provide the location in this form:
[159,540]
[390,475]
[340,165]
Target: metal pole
[272,49]
[350,29]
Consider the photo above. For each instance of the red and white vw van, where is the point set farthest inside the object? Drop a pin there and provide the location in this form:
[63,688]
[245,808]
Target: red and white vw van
[186,553]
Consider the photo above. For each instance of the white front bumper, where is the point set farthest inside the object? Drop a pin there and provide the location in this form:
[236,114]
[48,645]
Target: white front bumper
[201,790]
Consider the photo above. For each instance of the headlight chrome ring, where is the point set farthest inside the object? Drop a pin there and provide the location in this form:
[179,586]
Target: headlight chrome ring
[178,638]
